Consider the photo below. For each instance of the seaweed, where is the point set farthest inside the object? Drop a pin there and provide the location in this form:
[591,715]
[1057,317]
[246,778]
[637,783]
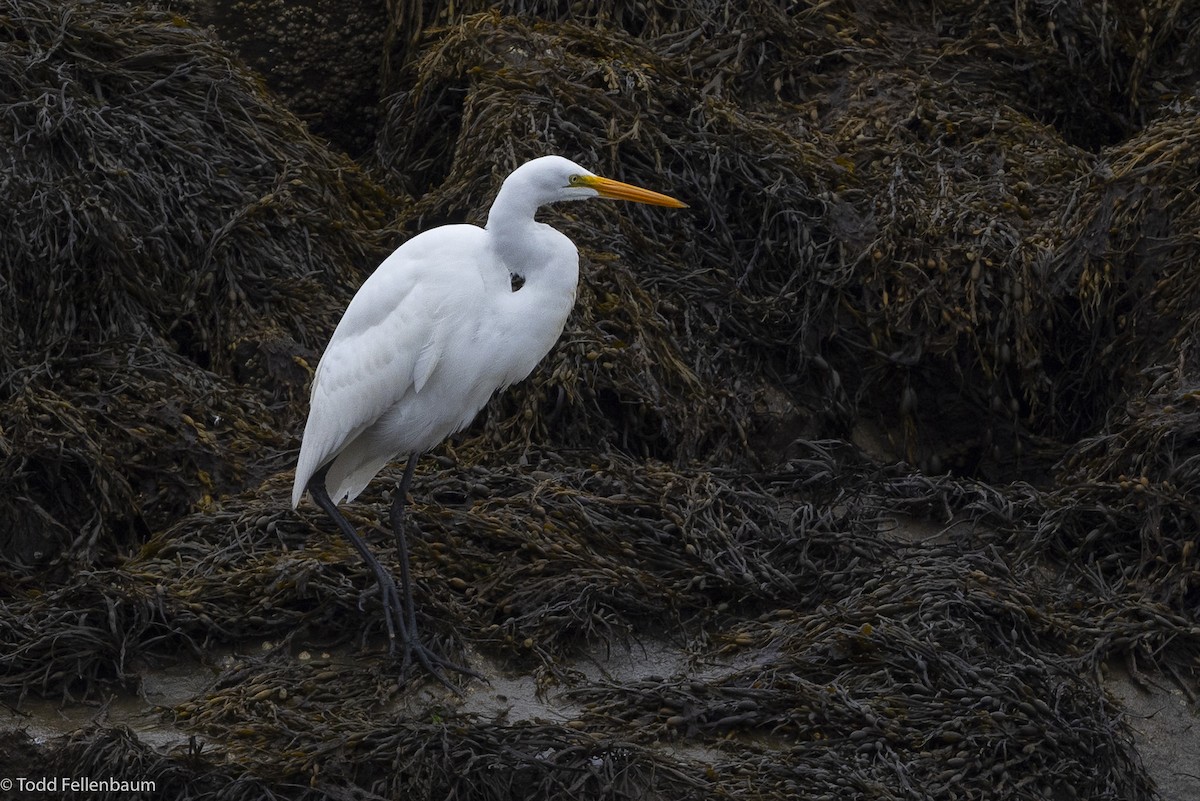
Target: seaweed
[891,435]
[1125,508]
[176,246]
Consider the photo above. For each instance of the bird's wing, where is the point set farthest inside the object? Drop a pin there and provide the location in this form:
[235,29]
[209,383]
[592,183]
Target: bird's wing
[387,344]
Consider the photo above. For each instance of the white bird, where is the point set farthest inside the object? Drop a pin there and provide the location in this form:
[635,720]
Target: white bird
[426,341]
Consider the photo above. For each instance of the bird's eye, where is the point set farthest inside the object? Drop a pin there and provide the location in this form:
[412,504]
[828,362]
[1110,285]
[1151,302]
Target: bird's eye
[575,180]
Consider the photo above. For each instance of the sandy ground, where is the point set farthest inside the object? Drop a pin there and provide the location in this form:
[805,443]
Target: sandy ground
[1166,729]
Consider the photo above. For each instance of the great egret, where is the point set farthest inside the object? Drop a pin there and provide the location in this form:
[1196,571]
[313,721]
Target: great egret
[428,338]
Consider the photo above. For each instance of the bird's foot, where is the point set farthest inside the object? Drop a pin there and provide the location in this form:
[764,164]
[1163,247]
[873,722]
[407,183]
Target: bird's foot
[434,663]
[401,629]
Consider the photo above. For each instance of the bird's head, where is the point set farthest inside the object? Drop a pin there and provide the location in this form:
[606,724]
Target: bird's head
[554,178]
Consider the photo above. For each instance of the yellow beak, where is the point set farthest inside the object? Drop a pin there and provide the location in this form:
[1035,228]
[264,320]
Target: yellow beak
[615,190]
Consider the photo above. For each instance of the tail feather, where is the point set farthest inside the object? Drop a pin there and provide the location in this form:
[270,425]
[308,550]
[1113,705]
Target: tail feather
[352,470]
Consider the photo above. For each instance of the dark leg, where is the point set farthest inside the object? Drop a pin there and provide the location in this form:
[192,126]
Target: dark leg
[393,613]
[426,657]
[401,622]
[398,504]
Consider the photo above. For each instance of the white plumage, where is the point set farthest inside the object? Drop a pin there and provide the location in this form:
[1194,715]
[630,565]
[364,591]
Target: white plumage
[437,329]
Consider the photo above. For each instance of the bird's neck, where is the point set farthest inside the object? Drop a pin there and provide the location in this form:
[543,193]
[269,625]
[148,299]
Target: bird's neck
[542,256]
[511,208]
[549,264]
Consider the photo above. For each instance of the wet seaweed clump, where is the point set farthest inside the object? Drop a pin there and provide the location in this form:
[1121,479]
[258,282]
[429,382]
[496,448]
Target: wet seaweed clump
[1127,253]
[1122,520]
[876,229]
[906,684]
[176,248]
[335,87]
[831,650]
